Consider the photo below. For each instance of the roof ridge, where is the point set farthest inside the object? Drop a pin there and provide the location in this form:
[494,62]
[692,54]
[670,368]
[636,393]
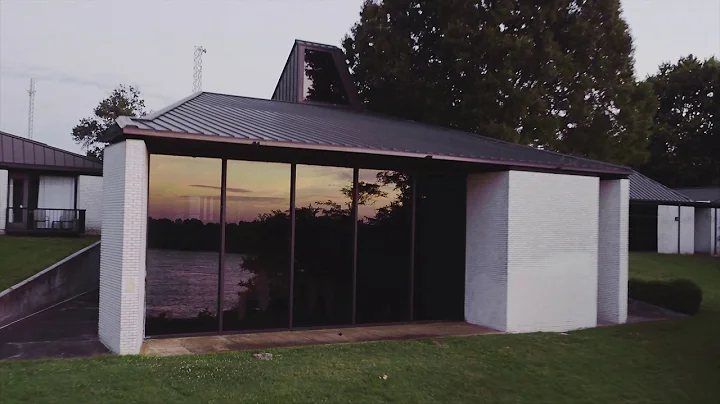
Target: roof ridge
[50,147]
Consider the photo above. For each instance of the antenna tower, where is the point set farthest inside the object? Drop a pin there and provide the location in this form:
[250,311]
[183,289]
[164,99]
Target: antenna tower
[197,71]
[31,108]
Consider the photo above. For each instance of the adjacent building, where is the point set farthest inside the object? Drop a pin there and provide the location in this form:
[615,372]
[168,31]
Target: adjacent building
[46,190]
[666,221]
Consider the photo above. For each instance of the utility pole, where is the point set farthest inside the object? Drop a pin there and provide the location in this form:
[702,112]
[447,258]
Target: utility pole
[31,108]
[197,72]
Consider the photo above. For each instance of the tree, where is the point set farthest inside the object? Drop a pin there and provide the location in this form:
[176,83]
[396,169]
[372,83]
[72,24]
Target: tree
[123,101]
[685,144]
[556,75]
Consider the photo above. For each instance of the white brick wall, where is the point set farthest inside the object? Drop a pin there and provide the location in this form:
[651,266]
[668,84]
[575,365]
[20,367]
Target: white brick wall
[553,252]
[532,251]
[3,198]
[123,248]
[667,229]
[613,251]
[687,230]
[486,250]
[89,197]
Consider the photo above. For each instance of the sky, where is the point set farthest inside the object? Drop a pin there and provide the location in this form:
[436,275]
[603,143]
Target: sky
[78,51]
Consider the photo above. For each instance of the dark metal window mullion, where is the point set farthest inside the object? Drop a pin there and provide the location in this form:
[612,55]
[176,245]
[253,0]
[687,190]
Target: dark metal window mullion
[413,204]
[221,272]
[356,175]
[293,175]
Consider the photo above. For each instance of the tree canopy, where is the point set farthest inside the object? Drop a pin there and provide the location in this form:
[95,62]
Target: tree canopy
[124,100]
[556,75]
[685,144]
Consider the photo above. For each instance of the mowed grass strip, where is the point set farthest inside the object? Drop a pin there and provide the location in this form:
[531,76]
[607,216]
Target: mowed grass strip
[675,361]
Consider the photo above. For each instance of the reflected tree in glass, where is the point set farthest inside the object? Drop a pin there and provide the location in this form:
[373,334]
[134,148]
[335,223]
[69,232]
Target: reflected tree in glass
[183,256]
[384,230]
[323,246]
[257,249]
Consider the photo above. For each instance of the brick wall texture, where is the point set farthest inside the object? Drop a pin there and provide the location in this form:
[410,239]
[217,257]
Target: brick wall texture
[89,197]
[613,251]
[123,248]
[532,251]
[486,252]
[3,198]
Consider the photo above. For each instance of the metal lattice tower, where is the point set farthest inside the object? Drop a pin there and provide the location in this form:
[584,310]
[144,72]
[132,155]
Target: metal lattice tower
[197,73]
[31,108]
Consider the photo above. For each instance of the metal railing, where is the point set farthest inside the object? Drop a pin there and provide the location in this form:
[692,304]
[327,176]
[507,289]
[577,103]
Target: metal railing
[45,220]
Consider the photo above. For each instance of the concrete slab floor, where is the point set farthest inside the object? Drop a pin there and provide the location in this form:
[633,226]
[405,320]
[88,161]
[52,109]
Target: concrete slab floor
[255,341]
[65,331]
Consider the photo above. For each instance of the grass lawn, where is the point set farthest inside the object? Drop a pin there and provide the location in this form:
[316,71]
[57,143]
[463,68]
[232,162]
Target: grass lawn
[674,361]
[22,257]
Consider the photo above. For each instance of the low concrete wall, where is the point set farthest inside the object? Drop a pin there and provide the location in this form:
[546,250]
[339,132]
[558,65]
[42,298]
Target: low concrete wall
[70,277]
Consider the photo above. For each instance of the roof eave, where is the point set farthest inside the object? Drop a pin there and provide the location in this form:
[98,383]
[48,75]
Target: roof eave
[134,131]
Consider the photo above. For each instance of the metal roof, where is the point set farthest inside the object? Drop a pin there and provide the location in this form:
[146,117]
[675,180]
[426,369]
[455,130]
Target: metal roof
[702,194]
[643,188]
[235,119]
[20,152]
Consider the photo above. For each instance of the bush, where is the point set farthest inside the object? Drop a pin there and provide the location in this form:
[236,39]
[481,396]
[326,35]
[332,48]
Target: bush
[681,295]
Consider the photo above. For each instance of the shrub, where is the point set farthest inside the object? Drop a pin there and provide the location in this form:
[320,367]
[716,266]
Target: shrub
[681,295]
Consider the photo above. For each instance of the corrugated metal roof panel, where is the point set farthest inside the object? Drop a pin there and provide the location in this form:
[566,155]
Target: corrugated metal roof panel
[254,119]
[643,188]
[702,194]
[16,151]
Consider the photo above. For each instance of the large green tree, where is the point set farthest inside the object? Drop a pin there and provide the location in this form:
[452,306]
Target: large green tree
[123,101]
[554,74]
[685,144]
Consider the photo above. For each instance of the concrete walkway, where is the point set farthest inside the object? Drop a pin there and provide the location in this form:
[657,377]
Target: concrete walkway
[64,331]
[255,341]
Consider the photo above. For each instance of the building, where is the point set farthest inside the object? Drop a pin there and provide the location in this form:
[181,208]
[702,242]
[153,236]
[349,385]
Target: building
[329,216]
[707,222]
[45,190]
[668,222]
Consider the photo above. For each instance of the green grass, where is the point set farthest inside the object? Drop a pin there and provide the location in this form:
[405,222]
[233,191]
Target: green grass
[675,361]
[22,257]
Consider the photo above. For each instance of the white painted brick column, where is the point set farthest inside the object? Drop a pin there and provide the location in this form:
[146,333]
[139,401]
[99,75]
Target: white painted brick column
[613,251]
[3,199]
[89,197]
[123,247]
[531,251]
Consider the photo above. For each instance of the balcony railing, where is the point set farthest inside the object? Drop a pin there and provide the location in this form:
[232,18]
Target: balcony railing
[45,221]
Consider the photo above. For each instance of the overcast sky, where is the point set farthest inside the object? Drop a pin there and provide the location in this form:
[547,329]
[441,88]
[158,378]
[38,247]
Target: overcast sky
[80,50]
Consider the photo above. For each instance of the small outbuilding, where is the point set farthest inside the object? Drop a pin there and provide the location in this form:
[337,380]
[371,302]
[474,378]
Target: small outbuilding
[47,191]
[666,221]
[226,214]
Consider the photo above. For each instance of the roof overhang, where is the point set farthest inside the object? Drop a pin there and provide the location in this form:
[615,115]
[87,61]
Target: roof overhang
[125,129]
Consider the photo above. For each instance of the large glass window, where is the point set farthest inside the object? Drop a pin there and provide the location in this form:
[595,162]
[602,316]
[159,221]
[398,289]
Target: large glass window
[256,281]
[440,247]
[322,81]
[384,245]
[183,245]
[323,246]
